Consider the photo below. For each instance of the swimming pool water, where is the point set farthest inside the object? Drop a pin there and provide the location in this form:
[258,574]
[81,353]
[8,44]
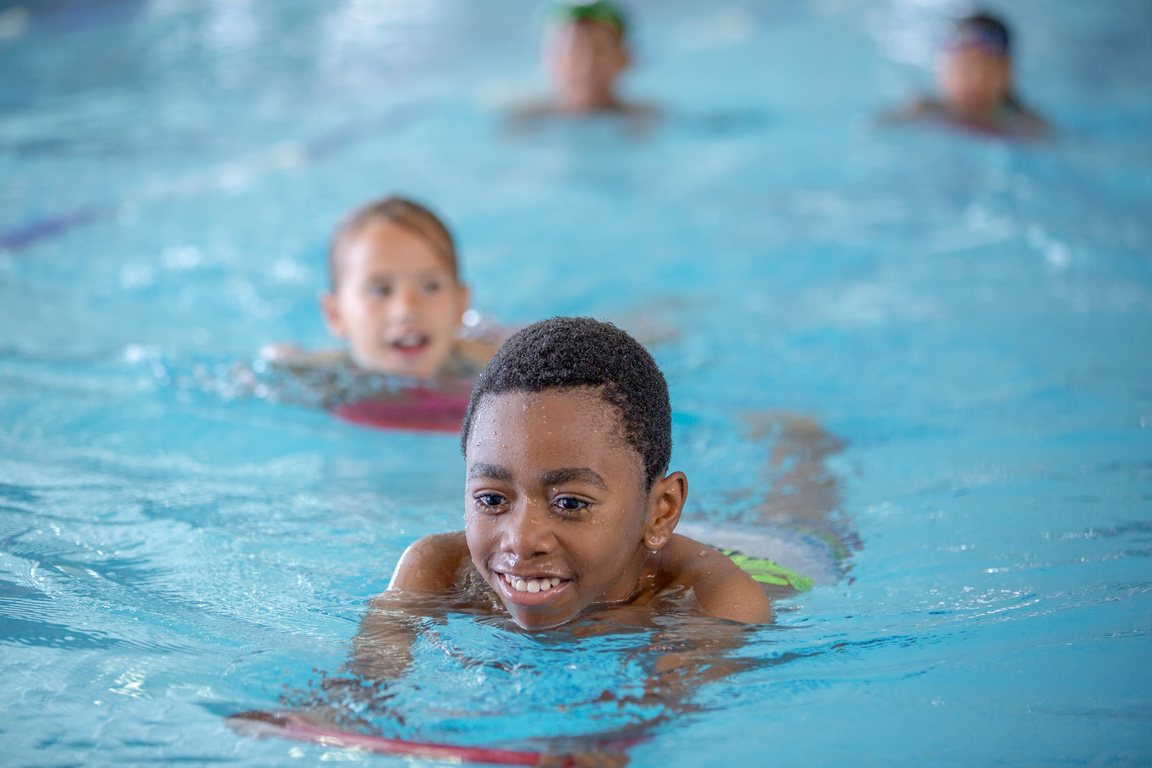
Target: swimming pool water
[973,318]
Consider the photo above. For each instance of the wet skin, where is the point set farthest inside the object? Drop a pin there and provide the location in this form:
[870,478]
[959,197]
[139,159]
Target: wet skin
[555,492]
[974,83]
[585,59]
[397,302]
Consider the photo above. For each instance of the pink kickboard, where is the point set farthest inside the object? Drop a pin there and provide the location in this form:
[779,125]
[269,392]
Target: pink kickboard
[290,726]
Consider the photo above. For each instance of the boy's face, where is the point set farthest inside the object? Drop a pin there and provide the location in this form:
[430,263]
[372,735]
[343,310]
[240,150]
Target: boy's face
[974,81]
[556,510]
[397,303]
[584,59]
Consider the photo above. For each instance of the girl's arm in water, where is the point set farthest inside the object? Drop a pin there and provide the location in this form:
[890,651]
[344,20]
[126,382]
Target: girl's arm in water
[289,356]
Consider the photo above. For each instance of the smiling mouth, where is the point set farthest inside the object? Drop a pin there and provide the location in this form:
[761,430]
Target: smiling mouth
[411,343]
[532,585]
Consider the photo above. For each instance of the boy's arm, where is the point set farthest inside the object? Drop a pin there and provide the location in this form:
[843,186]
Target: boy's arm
[427,570]
[684,658]
[722,589]
[429,564]
[688,658]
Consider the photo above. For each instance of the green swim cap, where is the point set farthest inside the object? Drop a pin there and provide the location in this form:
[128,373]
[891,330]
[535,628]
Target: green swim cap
[599,11]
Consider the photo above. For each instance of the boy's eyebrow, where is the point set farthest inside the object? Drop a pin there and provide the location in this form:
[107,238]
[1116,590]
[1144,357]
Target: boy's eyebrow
[574,474]
[490,471]
[554,477]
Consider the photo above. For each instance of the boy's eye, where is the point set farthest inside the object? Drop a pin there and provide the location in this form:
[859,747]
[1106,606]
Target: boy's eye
[570,504]
[432,286]
[490,501]
[381,290]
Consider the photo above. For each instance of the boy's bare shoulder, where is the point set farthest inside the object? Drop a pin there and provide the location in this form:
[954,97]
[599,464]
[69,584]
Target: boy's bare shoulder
[432,563]
[722,589]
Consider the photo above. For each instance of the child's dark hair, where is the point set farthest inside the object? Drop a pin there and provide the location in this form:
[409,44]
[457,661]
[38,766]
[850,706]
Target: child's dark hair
[984,30]
[601,12]
[581,352]
[403,213]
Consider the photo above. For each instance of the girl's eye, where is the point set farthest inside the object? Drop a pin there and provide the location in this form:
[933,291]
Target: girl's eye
[380,290]
[432,287]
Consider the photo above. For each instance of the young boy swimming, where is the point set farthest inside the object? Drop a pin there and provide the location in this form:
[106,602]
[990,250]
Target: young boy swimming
[569,518]
[975,85]
[569,506]
[396,297]
[585,55]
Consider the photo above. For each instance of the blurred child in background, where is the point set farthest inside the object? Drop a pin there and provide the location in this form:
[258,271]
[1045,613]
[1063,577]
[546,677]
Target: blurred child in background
[975,84]
[585,55]
[396,297]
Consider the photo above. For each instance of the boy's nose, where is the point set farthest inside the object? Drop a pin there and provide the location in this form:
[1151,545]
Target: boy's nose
[527,534]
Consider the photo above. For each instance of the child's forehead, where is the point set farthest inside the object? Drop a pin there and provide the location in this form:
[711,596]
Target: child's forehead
[563,410]
[381,232]
[381,241]
[553,429]
[975,51]
[585,401]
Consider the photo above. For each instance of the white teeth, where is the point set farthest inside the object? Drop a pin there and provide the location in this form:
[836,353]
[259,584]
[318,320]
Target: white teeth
[532,585]
[410,340]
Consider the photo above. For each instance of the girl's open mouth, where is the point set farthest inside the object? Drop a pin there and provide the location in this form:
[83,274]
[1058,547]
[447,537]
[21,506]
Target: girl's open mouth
[411,344]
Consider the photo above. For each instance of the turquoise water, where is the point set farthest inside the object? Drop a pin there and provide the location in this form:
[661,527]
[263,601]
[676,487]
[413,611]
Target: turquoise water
[973,318]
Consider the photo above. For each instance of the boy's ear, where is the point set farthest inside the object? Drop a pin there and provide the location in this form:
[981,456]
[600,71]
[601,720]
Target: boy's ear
[330,308]
[665,503]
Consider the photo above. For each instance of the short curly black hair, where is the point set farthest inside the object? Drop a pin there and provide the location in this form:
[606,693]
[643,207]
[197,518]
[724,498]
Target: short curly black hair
[581,352]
